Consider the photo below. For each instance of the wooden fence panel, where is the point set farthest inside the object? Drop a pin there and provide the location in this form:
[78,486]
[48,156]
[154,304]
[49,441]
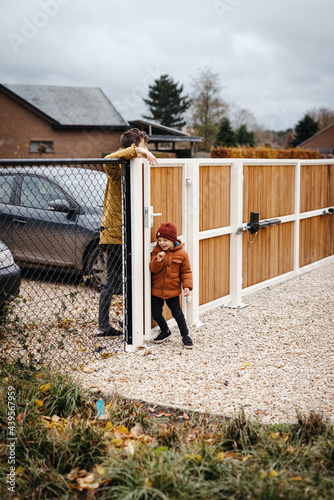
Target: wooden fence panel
[166,197]
[214,197]
[214,268]
[269,190]
[316,239]
[316,187]
[269,256]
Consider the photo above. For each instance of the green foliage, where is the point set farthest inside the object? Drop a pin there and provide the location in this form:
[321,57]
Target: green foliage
[305,128]
[174,455]
[226,135]
[245,137]
[165,102]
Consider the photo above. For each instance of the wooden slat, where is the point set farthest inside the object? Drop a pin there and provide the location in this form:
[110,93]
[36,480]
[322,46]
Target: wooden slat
[214,258]
[316,187]
[316,239]
[214,199]
[268,190]
[166,197]
[270,255]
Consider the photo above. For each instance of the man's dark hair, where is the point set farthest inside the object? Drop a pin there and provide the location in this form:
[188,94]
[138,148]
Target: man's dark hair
[133,136]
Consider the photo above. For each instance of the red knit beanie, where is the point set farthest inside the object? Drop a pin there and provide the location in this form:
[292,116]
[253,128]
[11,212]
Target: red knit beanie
[168,231]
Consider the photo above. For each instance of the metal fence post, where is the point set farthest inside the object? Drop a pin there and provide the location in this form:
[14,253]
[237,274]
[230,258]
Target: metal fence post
[235,238]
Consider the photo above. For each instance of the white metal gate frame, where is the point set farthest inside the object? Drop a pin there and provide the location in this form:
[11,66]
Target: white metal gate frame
[142,218]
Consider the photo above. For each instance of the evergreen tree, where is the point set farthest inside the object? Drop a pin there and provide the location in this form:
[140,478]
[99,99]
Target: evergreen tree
[305,128]
[165,102]
[245,137]
[226,135]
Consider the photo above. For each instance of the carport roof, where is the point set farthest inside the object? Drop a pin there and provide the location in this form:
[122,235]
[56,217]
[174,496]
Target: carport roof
[69,106]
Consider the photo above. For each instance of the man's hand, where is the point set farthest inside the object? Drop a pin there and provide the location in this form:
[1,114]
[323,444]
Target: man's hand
[160,256]
[186,292]
[145,153]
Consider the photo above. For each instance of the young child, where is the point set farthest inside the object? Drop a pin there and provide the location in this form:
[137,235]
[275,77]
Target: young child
[134,144]
[170,268]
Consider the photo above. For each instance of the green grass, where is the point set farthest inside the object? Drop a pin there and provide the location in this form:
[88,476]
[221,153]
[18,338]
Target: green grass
[63,451]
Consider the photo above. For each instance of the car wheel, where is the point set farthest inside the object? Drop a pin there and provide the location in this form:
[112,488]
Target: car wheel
[96,268]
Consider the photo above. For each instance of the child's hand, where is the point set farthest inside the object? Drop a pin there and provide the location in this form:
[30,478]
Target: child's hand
[160,256]
[186,292]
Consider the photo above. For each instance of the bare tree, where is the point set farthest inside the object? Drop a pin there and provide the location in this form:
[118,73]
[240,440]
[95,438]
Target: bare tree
[207,107]
[324,116]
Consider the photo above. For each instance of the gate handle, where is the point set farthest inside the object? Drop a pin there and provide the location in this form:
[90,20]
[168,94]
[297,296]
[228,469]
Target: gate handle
[153,215]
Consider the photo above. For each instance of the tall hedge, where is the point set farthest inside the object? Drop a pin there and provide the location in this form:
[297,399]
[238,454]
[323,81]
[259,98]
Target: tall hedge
[263,152]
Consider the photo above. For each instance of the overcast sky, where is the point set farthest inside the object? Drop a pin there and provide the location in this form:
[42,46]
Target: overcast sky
[274,57]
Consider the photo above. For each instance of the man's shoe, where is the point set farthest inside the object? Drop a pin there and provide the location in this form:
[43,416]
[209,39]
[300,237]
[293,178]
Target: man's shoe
[187,342]
[162,337]
[111,332]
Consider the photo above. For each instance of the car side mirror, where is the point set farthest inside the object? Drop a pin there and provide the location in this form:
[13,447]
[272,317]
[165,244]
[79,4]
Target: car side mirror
[59,206]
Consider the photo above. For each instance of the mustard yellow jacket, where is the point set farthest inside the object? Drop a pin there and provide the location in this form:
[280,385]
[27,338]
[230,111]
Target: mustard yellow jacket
[111,225]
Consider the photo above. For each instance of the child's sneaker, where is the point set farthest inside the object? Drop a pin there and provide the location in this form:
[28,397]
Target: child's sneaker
[162,337]
[187,342]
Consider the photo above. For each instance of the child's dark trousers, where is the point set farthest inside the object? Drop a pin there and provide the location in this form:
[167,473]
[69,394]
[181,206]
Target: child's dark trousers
[174,306]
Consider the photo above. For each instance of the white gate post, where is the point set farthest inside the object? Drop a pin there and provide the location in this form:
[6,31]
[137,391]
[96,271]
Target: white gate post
[137,253]
[235,237]
[297,216]
[192,237]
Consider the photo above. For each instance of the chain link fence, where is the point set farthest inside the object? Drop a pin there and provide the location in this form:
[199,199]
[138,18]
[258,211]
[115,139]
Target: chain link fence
[50,294]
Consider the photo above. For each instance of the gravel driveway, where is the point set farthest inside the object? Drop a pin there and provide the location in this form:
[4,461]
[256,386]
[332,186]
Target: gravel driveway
[273,358]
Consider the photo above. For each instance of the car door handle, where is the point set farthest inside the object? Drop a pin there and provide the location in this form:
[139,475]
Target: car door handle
[20,221]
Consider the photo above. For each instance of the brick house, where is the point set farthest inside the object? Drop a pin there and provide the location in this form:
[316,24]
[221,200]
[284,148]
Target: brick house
[322,141]
[51,121]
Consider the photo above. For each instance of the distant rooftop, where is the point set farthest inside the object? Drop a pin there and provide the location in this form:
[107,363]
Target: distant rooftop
[69,106]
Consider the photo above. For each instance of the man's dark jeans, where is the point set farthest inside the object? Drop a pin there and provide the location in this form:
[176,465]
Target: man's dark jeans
[174,305]
[113,284]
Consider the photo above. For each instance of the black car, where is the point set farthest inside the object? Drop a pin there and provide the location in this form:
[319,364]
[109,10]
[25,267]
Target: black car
[50,218]
[10,275]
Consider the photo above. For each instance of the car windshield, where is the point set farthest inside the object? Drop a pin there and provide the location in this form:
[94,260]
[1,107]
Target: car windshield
[87,188]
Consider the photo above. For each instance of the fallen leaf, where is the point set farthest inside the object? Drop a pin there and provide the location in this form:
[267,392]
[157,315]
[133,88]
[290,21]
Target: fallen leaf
[295,477]
[108,426]
[221,455]
[55,418]
[100,470]
[20,417]
[185,416]
[45,387]
[137,430]
[272,473]
[147,483]
[71,476]
[247,457]
[193,456]
[86,369]
[39,402]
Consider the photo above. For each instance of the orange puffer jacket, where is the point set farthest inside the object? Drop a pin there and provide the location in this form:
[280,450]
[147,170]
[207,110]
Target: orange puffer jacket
[168,275]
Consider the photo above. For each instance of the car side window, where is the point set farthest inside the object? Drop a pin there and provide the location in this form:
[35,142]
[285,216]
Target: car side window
[37,192]
[6,185]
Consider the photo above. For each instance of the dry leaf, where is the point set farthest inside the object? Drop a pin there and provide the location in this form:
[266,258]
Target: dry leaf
[39,402]
[55,418]
[147,483]
[185,416]
[100,470]
[45,387]
[295,477]
[137,430]
[20,417]
[221,455]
